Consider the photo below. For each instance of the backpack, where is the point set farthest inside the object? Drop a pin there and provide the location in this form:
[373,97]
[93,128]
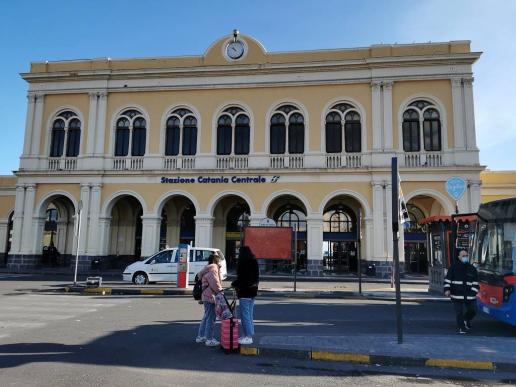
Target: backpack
[197,290]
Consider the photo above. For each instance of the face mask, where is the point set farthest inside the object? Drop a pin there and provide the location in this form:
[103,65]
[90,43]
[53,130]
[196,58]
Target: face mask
[464,259]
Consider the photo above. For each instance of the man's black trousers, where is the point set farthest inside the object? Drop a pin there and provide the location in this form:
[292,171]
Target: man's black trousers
[465,310]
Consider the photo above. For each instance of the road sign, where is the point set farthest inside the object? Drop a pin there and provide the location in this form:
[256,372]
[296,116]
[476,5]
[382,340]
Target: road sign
[455,186]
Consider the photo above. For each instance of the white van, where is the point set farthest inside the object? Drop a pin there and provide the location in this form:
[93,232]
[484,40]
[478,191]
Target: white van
[162,266]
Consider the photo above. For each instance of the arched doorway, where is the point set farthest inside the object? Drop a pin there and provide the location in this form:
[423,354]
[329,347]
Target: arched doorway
[57,237]
[415,242]
[289,211]
[341,235]
[125,239]
[231,215]
[177,222]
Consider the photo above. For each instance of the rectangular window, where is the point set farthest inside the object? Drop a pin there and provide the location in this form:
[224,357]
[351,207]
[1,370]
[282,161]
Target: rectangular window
[242,140]
[122,142]
[432,135]
[411,136]
[224,140]
[296,138]
[138,148]
[353,137]
[277,141]
[189,140]
[172,141]
[74,138]
[56,148]
[333,137]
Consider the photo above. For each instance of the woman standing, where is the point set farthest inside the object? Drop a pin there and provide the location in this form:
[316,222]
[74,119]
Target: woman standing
[246,285]
[211,285]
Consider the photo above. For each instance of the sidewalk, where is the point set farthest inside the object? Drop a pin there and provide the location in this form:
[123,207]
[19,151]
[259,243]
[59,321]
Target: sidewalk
[468,352]
[278,288]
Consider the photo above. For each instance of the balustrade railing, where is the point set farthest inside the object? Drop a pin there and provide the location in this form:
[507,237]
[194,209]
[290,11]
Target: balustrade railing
[423,159]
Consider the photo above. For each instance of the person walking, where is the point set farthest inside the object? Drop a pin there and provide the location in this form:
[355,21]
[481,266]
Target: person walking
[246,285]
[211,284]
[461,285]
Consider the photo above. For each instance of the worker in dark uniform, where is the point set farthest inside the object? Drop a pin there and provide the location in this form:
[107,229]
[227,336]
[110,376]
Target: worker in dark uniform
[461,285]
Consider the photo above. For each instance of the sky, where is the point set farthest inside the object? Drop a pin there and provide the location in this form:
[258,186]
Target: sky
[69,29]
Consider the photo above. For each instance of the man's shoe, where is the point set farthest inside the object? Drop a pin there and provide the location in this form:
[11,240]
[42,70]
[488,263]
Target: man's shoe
[212,343]
[462,331]
[200,339]
[467,325]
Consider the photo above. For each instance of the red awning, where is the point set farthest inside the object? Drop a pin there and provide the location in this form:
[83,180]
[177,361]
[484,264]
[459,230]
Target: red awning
[435,218]
[466,218]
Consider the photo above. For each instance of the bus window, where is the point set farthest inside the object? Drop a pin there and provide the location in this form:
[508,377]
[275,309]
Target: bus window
[509,243]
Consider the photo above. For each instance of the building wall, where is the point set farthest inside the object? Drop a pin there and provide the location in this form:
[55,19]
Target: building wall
[379,81]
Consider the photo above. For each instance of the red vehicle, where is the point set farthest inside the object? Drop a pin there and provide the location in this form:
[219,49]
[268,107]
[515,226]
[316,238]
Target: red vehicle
[494,251]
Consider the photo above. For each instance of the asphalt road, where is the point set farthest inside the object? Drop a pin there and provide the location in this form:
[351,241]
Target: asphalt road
[134,341]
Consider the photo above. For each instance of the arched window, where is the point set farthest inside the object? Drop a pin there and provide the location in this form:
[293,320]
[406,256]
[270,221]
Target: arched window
[280,132]
[339,218]
[415,215]
[343,117]
[130,133]
[233,125]
[291,216]
[421,115]
[181,133]
[66,129]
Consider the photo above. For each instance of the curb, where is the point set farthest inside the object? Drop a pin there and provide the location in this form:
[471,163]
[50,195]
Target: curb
[382,360]
[262,293]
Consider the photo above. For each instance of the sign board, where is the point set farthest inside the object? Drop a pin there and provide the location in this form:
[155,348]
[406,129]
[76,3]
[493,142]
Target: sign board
[455,186]
[269,242]
[182,265]
[267,222]
[465,234]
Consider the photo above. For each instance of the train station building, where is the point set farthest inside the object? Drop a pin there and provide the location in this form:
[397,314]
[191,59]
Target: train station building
[190,149]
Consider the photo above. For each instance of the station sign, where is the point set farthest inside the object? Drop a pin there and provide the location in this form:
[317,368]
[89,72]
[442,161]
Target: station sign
[236,179]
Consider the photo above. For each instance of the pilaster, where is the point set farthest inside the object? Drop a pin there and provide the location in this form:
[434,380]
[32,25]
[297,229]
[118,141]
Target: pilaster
[474,191]
[92,124]
[388,217]
[458,114]
[378,221]
[203,230]
[100,126]
[377,115]
[38,127]
[104,234]
[469,110]
[314,236]
[94,235]
[85,213]
[387,115]
[28,210]
[150,234]
[18,219]
[29,124]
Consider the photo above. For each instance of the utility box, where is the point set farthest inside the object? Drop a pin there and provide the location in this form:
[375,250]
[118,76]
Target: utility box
[94,282]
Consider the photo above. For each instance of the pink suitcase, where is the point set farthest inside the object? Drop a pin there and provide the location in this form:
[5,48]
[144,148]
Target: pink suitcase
[228,336]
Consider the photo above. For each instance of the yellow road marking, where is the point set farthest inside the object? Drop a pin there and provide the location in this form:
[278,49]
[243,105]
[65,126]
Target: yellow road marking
[335,356]
[250,351]
[482,365]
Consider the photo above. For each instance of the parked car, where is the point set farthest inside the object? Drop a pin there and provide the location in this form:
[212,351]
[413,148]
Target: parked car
[162,266]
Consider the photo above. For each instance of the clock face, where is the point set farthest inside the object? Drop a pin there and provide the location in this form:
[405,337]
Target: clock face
[235,49]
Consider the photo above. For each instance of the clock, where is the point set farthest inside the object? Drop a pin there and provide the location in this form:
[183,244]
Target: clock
[235,49]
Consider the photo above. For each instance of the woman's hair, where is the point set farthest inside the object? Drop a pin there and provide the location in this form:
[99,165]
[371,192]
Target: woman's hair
[213,258]
[245,253]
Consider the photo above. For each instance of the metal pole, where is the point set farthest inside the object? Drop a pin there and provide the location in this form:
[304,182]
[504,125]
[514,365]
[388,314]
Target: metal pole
[395,240]
[295,257]
[79,210]
[359,256]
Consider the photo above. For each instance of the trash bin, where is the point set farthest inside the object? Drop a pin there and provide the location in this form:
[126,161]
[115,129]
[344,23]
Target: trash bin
[95,264]
[371,270]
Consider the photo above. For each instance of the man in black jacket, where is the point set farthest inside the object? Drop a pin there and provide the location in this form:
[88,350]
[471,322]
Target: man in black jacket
[461,284]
